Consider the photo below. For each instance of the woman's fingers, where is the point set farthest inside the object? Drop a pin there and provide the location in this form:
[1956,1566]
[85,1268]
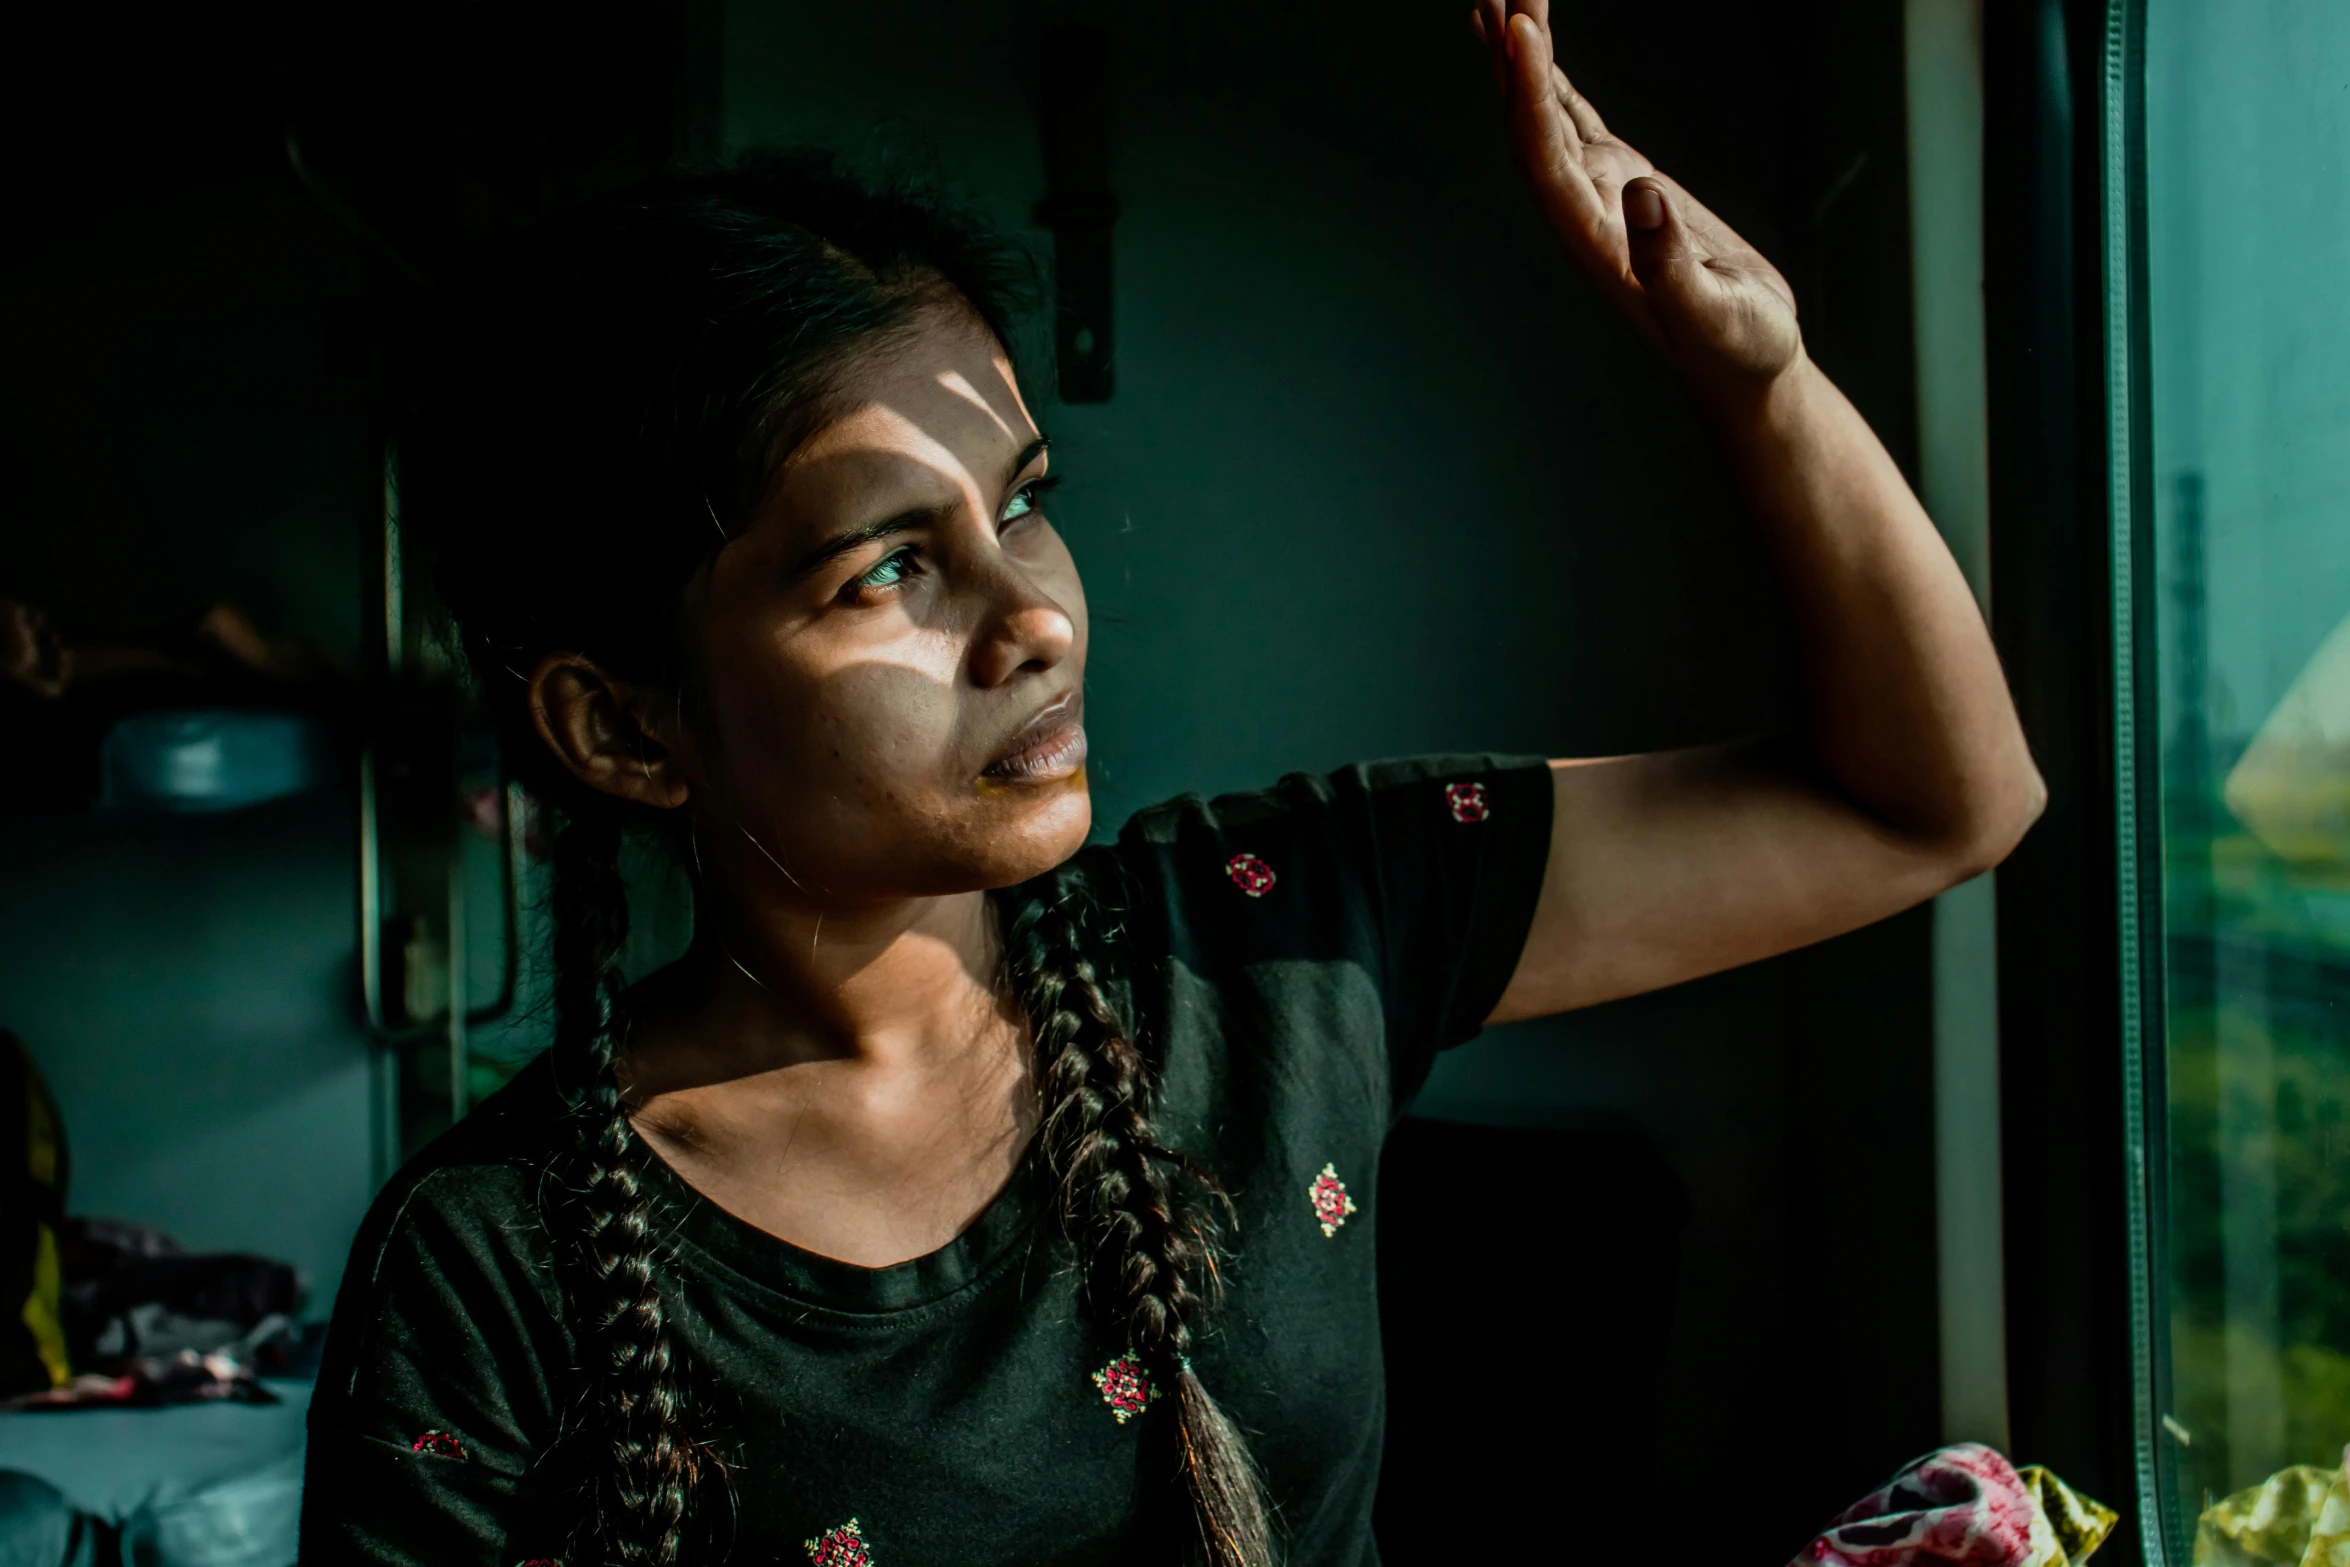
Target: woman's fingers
[1572,183]
[1660,241]
[1721,245]
[1684,277]
[1579,111]
[1577,168]
[1681,267]
[1535,120]
[1667,260]
[1486,19]
[1722,310]
[1607,157]
[1489,20]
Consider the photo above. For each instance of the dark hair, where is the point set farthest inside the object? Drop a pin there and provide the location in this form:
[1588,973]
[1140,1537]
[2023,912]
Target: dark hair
[606,399]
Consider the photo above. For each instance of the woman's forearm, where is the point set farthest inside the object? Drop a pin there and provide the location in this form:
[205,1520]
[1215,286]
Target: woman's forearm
[1913,772]
[1906,710]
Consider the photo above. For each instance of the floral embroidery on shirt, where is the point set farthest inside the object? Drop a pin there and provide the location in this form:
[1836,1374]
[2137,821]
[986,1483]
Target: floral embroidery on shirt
[1331,1203]
[541,1561]
[841,1547]
[440,1444]
[1250,874]
[1467,801]
[1126,1387]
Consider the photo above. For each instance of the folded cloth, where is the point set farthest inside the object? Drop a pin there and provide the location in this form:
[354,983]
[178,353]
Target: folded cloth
[130,1291]
[2299,1517]
[184,1378]
[1964,1504]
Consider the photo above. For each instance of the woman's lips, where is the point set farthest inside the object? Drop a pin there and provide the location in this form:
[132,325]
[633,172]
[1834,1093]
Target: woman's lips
[1048,750]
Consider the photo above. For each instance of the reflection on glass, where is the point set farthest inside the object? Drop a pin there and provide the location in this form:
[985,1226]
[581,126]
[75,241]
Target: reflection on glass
[2248,267]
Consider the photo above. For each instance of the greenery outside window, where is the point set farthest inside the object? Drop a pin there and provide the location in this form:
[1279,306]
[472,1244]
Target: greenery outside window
[2228,272]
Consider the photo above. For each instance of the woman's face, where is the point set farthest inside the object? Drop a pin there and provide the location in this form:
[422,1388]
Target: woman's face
[892,653]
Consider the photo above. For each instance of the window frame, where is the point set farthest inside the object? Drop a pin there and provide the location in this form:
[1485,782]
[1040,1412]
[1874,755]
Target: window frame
[2064,302]
[2138,890]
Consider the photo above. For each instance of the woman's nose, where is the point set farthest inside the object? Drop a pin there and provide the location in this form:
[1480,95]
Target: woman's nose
[1027,630]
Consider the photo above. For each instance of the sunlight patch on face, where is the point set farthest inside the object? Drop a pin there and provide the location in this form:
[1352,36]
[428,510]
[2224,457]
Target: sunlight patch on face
[897,437]
[960,385]
[911,660]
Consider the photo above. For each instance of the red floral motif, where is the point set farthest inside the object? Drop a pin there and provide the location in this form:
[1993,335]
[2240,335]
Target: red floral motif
[841,1547]
[1331,1203]
[1250,874]
[1126,1387]
[1467,801]
[440,1444]
[541,1561]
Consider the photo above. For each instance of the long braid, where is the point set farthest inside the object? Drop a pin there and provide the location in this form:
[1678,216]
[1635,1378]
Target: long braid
[644,1479]
[1142,1216]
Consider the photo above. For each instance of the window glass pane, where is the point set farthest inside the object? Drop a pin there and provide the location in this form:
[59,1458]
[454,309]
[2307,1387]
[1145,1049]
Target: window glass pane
[2247,167]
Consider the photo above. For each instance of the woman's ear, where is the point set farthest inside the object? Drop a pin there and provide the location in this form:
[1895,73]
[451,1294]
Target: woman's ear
[600,728]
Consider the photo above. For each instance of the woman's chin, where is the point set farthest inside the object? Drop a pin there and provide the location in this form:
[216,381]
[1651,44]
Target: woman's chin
[1032,826]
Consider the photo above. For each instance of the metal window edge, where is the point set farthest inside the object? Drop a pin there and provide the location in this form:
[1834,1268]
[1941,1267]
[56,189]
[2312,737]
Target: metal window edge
[2119,264]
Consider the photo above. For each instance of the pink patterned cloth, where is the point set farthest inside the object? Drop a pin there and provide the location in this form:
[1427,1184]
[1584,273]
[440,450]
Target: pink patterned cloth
[1963,1504]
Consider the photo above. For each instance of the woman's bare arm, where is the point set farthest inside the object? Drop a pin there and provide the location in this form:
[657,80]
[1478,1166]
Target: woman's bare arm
[1910,773]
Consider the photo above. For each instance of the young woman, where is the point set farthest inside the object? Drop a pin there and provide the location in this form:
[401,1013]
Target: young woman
[968,1194]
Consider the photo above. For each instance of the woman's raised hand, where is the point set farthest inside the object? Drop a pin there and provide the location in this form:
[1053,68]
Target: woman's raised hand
[1684,277]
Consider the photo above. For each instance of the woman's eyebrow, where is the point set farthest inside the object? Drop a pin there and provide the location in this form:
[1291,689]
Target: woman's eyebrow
[904,521]
[1028,454]
[842,543]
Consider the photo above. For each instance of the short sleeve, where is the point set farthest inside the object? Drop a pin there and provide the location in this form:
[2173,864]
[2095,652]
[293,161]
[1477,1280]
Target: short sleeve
[1424,872]
[432,1401]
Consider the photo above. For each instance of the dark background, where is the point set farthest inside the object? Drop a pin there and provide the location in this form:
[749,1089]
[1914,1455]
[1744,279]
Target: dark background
[1380,476]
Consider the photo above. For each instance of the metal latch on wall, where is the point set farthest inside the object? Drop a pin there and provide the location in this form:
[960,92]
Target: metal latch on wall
[1079,208]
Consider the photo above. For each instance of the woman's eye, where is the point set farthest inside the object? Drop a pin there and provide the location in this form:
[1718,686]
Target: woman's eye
[890,570]
[1026,499]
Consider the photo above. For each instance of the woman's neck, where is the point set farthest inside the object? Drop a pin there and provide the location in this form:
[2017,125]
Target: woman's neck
[904,985]
[862,1091]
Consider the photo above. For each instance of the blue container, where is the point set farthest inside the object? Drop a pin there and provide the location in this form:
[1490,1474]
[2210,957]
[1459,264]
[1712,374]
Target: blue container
[209,759]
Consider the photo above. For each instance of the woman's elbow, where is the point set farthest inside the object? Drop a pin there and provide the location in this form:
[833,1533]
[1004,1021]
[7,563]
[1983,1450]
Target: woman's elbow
[2006,811]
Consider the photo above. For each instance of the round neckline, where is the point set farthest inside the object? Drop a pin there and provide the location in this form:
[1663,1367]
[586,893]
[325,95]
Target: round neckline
[694,1220]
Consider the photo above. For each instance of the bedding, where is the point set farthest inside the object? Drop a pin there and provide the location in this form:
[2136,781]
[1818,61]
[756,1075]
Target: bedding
[192,1485]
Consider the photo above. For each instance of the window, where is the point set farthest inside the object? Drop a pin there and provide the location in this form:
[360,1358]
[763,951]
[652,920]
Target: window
[2233,595]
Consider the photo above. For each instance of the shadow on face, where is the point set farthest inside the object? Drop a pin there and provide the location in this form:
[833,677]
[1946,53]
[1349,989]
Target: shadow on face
[890,658]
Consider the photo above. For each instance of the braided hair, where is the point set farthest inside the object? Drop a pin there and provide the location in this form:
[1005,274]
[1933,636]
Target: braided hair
[645,1479]
[1141,1216]
[692,329]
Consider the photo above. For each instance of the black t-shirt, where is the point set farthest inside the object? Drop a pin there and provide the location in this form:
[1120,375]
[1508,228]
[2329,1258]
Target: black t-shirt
[1296,959]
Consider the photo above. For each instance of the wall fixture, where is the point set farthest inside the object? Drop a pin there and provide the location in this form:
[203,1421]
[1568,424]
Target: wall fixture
[1075,97]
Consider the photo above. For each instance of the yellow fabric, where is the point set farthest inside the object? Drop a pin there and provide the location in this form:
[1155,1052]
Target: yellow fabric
[2298,1518]
[2076,1524]
[41,1307]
